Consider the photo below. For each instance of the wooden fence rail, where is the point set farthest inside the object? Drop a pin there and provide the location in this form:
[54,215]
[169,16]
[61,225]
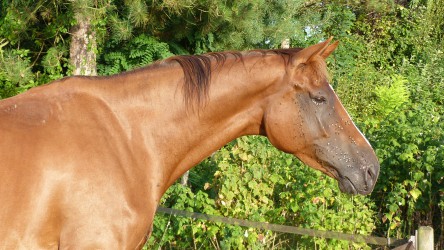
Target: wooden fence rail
[380,241]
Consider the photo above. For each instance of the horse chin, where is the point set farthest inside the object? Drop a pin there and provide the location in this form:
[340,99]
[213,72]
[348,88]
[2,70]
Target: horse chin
[346,186]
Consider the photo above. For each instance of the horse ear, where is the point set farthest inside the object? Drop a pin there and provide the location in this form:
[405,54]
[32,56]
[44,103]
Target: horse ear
[329,49]
[323,49]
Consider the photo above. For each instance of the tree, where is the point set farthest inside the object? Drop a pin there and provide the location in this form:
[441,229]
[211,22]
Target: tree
[83,44]
[194,26]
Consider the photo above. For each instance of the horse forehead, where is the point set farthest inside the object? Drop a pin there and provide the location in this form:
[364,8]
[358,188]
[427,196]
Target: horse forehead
[313,80]
[314,84]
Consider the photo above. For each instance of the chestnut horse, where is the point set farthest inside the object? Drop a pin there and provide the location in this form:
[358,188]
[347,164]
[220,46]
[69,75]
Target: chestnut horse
[84,161]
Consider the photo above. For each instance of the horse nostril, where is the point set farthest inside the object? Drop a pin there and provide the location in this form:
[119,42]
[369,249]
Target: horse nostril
[370,175]
[374,170]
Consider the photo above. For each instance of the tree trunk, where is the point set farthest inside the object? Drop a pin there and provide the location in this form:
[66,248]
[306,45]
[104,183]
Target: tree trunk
[184,179]
[83,48]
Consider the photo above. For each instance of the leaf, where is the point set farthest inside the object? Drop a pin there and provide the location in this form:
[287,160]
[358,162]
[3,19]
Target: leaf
[288,161]
[393,225]
[294,207]
[415,193]
[243,156]
[257,174]
[264,199]
[327,192]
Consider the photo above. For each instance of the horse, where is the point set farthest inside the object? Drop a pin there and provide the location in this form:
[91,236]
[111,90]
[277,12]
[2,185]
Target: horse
[84,161]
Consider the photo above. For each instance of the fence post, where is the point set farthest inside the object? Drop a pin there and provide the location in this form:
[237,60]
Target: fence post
[424,238]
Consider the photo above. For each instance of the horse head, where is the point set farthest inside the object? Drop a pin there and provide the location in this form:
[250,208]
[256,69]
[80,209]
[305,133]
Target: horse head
[307,119]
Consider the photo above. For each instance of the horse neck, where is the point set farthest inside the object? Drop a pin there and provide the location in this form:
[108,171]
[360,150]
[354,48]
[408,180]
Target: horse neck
[238,95]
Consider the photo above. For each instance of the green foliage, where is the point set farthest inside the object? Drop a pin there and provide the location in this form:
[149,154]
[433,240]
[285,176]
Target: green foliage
[410,147]
[123,56]
[209,25]
[394,89]
[338,20]
[435,19]
[55,62]
[15,72]
[409,142]
[35,25]
[180,232]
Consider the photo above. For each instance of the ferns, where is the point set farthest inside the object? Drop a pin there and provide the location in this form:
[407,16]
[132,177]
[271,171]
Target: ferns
[391,97]
[138,52]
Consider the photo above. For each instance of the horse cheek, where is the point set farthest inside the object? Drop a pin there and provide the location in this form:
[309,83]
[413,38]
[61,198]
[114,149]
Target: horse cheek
[282,129]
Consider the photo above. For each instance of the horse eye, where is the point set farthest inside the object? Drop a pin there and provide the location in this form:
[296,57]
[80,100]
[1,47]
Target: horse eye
[319,100]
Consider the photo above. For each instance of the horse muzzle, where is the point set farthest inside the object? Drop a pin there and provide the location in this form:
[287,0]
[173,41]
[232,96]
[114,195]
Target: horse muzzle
[355,173]
[361,181]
